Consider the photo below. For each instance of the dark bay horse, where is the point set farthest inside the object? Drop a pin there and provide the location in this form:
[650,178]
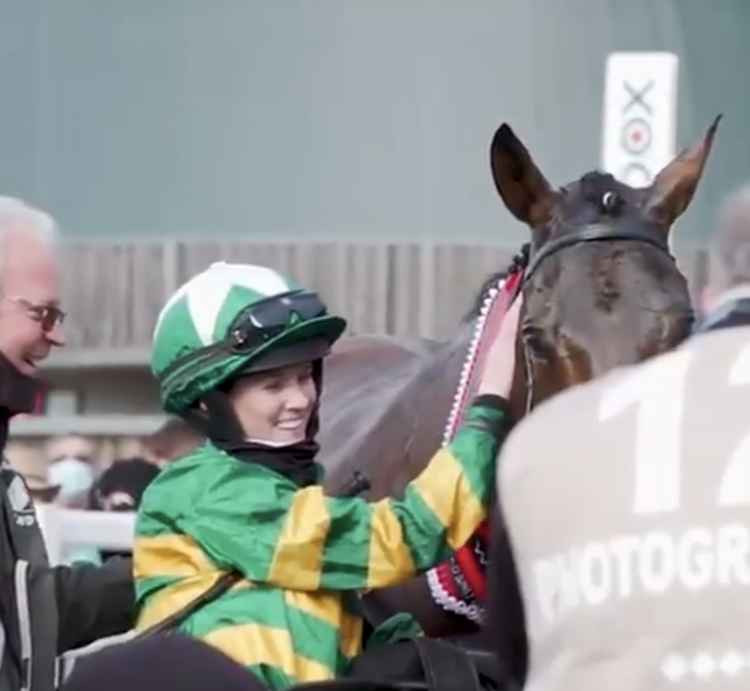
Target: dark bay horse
[601,290]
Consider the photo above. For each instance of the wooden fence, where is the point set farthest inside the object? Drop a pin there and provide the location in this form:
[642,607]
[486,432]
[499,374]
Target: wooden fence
[114,292]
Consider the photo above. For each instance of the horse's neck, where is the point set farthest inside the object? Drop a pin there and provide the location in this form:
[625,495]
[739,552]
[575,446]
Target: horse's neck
[390,427]
[424,405]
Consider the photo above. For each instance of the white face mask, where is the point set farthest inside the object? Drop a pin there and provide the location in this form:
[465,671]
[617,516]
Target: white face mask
[72,474]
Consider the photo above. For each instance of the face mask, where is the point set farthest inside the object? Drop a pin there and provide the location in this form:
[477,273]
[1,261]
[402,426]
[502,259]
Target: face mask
[72,474]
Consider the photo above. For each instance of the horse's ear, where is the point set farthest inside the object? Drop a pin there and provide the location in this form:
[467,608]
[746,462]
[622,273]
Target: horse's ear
[673,188]
[523,188]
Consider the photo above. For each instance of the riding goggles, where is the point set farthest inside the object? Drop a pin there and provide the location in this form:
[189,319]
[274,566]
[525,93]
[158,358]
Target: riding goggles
[267,318]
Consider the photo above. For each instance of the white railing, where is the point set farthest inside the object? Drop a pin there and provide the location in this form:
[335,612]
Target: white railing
[67,529]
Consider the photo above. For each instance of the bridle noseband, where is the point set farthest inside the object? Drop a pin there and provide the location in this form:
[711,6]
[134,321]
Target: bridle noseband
[596,232]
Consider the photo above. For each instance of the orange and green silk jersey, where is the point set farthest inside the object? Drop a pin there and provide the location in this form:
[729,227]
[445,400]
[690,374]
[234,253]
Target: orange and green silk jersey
[298,550]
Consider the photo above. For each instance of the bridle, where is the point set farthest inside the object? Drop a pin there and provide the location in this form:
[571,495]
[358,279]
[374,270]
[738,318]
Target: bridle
[596,232]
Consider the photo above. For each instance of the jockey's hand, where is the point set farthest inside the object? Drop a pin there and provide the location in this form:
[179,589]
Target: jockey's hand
[497,375]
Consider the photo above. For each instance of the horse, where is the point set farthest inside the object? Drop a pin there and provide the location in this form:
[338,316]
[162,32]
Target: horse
[601,290]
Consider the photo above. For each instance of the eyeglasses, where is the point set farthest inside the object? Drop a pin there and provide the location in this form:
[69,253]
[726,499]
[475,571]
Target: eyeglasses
[49,316]
[268,318]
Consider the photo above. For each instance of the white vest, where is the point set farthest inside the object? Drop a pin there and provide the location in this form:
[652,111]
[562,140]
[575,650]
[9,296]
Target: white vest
[627,503]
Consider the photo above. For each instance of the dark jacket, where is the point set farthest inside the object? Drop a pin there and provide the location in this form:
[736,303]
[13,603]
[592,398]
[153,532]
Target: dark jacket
[46,610]
[161,663]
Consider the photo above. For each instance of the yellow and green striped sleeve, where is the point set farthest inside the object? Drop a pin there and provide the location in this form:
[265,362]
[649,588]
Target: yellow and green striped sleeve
[439,511]
[261,524]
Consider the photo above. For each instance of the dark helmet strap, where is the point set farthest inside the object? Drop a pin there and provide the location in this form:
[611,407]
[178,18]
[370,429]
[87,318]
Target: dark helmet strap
[314,424]
[214,417]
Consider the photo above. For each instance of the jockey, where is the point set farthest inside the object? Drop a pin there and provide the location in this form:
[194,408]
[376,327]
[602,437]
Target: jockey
[238,353]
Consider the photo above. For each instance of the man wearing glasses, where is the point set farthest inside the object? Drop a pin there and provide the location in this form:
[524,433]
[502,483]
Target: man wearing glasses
[43,611]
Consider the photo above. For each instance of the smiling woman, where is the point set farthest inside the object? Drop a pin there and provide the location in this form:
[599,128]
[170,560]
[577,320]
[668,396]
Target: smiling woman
[274,407]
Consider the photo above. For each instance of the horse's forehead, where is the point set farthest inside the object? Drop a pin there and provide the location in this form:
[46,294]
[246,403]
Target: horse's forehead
[590,189]
[603,283]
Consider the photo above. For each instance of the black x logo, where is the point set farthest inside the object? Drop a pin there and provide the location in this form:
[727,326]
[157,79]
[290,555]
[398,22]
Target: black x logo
[636,97]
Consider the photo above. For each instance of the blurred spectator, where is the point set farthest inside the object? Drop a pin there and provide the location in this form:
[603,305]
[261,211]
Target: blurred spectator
[125,447]
[173,439]
[70,446]
[121,486]
[28,460]
[71,466]
[726,298]
[44,610]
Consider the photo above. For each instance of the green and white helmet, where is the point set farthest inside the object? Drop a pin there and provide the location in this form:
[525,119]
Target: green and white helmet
[232,318]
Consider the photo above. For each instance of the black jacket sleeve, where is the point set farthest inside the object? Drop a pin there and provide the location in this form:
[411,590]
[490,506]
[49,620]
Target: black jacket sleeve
[94,601]
[505,606]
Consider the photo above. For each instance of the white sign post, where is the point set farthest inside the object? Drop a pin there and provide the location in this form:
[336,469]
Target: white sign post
[640,115]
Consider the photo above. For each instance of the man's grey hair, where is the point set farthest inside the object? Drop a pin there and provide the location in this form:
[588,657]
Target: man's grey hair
[17,215]
[730,245]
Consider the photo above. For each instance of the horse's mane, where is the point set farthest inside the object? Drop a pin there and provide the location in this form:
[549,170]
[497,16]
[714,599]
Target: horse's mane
[489,283]
[519,261]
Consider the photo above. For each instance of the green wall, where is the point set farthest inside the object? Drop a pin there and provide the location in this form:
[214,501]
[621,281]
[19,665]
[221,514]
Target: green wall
[340,119]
